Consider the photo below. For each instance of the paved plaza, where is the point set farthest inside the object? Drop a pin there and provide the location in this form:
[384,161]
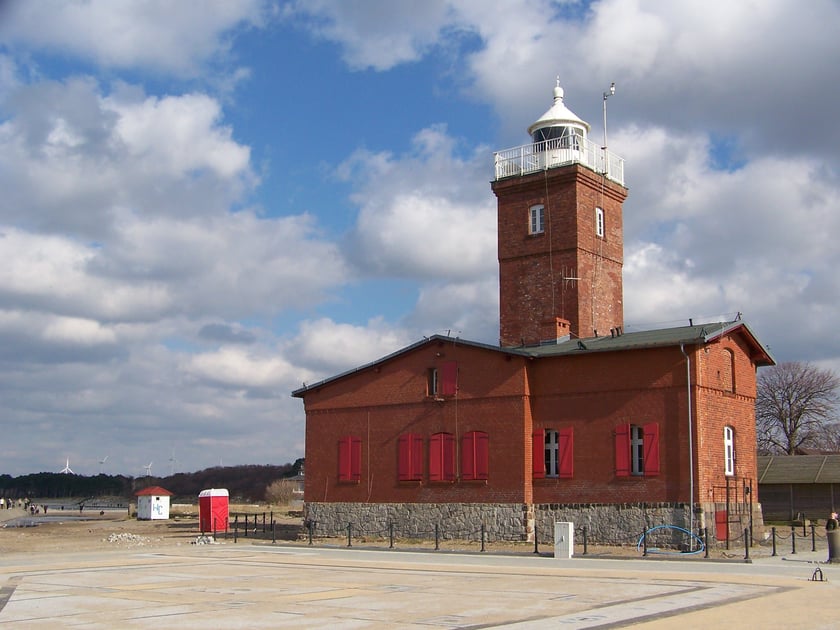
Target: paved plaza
[292,586]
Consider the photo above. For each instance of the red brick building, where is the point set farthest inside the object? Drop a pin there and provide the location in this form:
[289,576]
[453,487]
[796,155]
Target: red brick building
[569,418]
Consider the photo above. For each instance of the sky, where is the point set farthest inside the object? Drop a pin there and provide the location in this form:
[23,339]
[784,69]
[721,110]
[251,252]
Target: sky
[205,204]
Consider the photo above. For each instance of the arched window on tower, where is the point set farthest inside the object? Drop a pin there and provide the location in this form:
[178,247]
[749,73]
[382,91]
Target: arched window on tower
[727,371]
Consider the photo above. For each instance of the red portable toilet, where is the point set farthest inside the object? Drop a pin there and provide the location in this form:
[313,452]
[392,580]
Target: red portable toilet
[213,510]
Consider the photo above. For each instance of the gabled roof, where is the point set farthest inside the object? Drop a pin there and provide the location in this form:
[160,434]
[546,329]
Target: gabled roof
[154,491]
[684,335]
[774,469]
[402,351]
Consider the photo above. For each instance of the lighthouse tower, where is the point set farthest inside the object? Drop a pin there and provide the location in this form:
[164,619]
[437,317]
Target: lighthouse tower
[560,245]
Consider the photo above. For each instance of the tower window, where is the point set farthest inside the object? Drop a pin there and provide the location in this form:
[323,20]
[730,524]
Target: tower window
[729,451]
[599,222]
[537,219]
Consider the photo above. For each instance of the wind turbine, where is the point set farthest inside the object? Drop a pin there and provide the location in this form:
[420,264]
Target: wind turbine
[148,469]
[102,463]
[67,470]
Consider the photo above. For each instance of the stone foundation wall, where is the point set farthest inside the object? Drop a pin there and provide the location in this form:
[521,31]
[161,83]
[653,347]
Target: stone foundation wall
[502,521]
[615,524]
[605,523]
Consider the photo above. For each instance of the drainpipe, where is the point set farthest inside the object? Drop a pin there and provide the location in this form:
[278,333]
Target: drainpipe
[690,445]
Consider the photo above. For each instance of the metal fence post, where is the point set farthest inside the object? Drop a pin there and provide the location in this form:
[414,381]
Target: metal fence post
[792,539]
[773,534]
[482,536]
[349,534]
[273,531]
[706,541]
[235,528]
[536,539]
[644,540]
[585,540]
[747,545]
[813,537]
[310,527]
[391,534]
[437,536]
[246,525]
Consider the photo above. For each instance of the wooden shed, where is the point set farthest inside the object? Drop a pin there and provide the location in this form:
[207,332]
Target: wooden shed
[795,486]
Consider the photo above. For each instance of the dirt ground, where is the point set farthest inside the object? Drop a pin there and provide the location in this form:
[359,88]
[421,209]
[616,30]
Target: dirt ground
[117,530]
[114,530]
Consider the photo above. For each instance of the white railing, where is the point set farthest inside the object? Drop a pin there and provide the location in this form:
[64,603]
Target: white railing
[530,158]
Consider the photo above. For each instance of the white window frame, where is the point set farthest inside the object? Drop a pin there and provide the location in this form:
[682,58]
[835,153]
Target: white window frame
[432,382]
[599,222]
[637,450]
[728,451]
[552,453]
[536,219]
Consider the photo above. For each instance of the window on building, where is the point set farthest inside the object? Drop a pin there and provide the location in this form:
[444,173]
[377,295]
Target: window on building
[554,453]
[442,457]
[729,451]
[537,219]
[599,222]
[432,382]
[350,459]
[637,450]
[728,371]
[475,456]
[443,381]
[410,457]
[449,378]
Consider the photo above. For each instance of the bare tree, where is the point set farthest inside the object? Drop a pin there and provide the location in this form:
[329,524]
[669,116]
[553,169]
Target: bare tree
[796,406]
[280,492]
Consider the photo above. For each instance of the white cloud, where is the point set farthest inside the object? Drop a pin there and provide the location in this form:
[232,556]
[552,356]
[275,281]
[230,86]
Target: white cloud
[172,37]
[424,215]
[326,347]
[377,34]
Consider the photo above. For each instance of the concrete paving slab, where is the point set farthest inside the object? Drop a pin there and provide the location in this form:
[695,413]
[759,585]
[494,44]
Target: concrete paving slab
[288,586]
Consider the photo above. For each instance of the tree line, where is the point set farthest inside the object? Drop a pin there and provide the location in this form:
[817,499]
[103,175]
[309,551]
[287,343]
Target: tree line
[245,484]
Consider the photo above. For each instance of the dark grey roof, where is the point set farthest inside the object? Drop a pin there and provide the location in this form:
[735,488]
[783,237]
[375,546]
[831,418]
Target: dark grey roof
[688,335]
[774,469]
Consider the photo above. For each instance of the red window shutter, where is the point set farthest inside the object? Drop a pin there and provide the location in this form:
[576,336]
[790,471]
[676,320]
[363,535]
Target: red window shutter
[410,457]
[468,457]
[475,456]
[651,437]
[441,457]
[481,443]
[417,457]
[565,455]
[355,458]
[404,457]
[538,454]
[622,450]
[349,458]
[449,380]
[448,457]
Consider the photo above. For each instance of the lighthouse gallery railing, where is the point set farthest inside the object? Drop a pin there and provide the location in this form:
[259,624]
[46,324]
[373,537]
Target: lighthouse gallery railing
[537,156]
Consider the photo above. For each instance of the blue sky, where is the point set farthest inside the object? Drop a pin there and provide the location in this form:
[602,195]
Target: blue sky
[206,204]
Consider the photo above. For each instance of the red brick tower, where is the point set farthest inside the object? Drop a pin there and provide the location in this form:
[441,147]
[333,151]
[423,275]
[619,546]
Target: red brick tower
[561,247]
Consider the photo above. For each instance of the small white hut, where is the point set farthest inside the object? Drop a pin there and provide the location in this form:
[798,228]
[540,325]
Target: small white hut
[153,503]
